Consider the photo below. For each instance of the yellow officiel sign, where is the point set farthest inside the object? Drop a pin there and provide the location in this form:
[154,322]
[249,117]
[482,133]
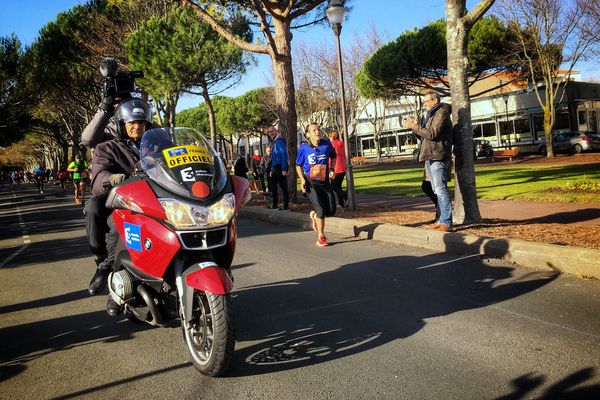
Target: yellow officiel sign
[182,155]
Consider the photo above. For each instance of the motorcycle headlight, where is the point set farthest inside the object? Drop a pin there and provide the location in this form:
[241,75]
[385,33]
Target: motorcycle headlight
[184,215]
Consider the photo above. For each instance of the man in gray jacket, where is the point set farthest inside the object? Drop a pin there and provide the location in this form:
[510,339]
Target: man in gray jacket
[436,152]
[103,126]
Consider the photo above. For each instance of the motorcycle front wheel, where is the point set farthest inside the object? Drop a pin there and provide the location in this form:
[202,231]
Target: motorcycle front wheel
[210,335]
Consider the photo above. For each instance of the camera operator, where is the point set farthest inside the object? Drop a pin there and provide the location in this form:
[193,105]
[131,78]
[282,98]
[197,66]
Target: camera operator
[117,87]
[114,161]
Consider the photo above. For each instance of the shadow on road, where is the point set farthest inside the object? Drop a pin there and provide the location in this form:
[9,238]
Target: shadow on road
[367,304]
[23,343]
[363,305]
[49,301]
[49,251]
[569,388]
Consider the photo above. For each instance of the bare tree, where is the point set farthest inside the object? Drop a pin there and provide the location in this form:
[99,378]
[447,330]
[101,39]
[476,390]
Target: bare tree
[459,22]
[591,21]
[318,94]
[548,34]
[381,110]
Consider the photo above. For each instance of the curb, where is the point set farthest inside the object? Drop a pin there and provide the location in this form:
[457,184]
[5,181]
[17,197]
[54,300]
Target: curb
[569,260]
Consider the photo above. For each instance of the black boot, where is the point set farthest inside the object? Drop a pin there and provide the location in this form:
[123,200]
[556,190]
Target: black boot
[112,307]
[98,282]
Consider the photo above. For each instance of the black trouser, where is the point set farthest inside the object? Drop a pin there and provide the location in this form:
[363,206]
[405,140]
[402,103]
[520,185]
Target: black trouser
[278,179]
[96,226]
[428,190]
[40,183]
[336,184]
[111,242]
[322,198]
[261,178]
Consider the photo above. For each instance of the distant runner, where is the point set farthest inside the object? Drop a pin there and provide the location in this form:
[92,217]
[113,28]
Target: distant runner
[78,168]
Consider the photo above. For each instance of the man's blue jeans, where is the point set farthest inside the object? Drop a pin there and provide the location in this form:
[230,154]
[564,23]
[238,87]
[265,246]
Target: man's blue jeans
[438,174]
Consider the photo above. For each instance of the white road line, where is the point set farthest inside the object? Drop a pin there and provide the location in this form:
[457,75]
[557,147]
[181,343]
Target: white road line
[13,255]
[437,264]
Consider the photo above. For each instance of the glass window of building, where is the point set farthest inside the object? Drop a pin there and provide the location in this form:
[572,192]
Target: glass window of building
[582,117]
[488,130]
[522,130]
[561,124]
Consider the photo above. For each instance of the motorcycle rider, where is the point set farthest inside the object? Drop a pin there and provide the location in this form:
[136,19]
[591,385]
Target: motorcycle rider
[114,160]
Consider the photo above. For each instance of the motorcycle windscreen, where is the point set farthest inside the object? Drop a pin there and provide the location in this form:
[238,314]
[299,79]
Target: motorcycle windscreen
[182,161]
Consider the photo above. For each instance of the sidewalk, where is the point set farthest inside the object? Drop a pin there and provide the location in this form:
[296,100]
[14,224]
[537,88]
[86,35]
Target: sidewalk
[527,211]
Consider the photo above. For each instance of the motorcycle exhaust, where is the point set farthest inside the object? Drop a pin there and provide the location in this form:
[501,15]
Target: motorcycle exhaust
[154,312]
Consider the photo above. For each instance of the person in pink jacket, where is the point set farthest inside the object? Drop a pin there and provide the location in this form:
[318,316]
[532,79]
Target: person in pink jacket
[339,168]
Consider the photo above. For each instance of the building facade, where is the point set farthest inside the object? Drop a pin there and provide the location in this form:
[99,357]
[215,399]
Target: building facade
[507,117]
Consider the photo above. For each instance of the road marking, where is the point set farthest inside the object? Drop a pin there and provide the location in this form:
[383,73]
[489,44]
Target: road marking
[437,264]
[26,239]
[13,255]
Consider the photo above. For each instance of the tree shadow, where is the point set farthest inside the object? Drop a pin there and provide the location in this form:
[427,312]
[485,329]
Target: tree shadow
[376,301]
[49,251]
[566,389]
[48,301]
[23,343]
[124,381]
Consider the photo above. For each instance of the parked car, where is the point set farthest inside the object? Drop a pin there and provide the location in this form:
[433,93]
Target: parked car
[482,148]
[572,142]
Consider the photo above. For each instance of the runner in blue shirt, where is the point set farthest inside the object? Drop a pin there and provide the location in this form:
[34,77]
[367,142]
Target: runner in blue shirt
[312,166]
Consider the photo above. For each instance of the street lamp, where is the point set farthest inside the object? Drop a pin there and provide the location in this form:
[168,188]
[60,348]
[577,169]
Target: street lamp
[505,97]
[335,14]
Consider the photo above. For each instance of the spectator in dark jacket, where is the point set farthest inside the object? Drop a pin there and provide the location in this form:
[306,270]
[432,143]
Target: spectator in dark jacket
[239,167]
[257,170]
[265,164]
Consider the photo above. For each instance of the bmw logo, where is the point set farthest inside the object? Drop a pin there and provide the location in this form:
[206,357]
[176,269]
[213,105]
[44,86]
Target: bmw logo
[147,244]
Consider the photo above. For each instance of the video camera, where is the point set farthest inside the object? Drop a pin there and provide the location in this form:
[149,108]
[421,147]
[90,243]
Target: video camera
[118,85]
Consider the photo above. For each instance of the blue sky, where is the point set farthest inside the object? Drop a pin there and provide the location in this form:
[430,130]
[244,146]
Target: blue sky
[391,17]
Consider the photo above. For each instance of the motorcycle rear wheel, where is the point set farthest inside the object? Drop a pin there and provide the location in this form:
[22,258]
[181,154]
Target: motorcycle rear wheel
[210,335]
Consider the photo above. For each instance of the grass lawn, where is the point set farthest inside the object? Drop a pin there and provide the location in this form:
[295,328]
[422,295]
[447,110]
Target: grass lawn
[579,183]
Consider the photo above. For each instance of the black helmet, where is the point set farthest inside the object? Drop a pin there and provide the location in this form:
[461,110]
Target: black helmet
[132,110]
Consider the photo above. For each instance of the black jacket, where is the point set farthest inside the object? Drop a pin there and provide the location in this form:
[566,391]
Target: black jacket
[240,168]
[112,157]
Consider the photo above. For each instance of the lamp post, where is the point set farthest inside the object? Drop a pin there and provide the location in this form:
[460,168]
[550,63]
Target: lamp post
[505,97]
[335,14]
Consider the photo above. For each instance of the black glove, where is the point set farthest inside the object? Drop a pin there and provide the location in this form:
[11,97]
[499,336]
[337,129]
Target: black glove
[107,104]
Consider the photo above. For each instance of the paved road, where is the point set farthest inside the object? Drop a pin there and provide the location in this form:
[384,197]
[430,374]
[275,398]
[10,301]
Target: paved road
[357,320]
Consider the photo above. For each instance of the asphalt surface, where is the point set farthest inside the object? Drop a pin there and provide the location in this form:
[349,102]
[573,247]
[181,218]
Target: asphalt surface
[357,320]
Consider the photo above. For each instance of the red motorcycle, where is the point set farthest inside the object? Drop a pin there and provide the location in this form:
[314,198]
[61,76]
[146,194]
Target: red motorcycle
[177,235]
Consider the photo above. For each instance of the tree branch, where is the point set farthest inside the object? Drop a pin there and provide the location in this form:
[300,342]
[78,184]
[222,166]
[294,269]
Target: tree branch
[242,44]
[477,12]
[304,7]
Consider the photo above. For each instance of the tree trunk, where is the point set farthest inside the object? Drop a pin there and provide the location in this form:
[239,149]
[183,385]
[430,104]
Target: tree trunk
[172,112]
[377,141]
[466,208]
[281,59]
[211,114]
[548,125]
